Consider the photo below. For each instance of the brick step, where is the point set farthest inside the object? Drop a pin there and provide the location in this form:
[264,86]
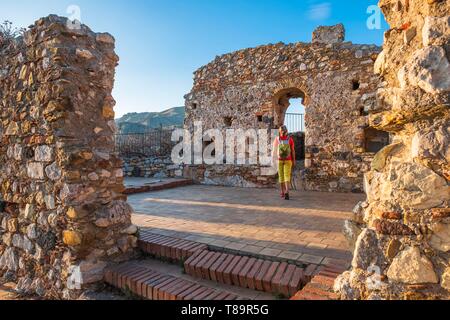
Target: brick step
[152,285]
[164,185]
[313,290]
[173,249]
[256,274]
[230,269]
[321,285]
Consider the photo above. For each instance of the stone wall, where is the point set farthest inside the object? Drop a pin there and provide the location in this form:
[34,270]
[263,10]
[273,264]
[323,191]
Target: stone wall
[403,251]
[248,176]
[251,88]
[151,167]
[229,176]
[63,216]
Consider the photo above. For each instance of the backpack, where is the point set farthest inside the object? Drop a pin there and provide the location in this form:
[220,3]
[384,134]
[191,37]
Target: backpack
[284,149]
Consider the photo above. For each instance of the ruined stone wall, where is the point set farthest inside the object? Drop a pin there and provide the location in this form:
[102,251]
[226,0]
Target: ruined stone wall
[151,167]
[251,88]
[403,250]
[63,216]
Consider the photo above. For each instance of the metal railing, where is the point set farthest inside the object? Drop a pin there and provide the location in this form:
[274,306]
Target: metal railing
[149,144]
[295,122]
[158,142]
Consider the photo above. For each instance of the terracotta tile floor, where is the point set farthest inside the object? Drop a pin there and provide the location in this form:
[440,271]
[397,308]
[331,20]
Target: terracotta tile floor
[307,229]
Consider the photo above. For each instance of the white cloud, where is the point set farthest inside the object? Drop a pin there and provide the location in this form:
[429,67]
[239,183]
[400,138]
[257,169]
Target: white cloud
[320,11]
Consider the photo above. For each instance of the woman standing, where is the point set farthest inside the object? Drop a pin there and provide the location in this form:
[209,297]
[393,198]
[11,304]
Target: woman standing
[284,145]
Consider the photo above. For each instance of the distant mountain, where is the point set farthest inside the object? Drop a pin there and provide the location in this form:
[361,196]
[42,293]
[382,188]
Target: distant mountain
[146,121]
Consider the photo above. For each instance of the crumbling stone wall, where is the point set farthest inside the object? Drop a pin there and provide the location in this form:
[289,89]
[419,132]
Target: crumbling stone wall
[151,167]
[403,250]
[63,216]
[251,88]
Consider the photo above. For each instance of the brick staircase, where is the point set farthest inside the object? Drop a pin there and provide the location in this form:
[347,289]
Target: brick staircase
[152,285]
[321,285]
[218,269]
[272,277]
[176,250]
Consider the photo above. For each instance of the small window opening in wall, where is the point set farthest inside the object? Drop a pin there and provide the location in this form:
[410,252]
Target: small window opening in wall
[260,118]
[194,106]
[355,84]
[375,140]
[228,121]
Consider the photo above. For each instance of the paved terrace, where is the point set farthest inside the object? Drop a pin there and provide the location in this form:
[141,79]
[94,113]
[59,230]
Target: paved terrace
[307,229]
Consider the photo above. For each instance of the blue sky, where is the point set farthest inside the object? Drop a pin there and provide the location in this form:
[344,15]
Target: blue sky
[162,42]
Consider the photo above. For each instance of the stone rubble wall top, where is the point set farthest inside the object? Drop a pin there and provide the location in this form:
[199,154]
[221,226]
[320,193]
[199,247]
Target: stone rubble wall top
[274,61]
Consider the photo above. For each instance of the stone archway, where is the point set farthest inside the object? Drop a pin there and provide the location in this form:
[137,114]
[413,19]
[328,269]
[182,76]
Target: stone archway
[281,102]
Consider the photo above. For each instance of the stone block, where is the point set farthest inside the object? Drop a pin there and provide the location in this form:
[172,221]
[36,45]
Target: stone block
[43,154]
[380,160]
[85,273]
[436,31]
[367,251]
[411,267]
[329,35]
[440,238]
[429,69]
[53,172]
[35,170]
[72,238]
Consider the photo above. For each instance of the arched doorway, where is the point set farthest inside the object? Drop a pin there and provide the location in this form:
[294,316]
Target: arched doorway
[290,111]
[283,100]
[294,118]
